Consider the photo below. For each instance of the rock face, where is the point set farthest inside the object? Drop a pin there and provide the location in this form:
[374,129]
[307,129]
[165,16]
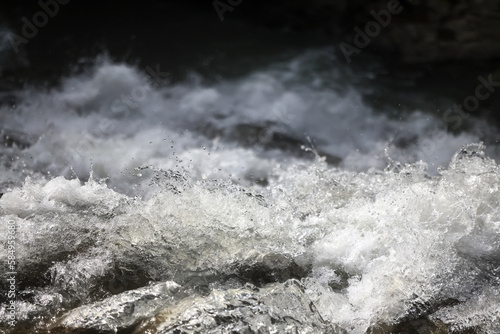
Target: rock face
[424,31]
[277,308]
[433,31]
[118,312]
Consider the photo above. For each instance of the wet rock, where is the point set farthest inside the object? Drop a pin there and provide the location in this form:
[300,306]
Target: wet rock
[425,317]
[272,267]
[417,326]
[447,30]
[435,31]
[118,312]
[277,308]
[269,136]
[264,135]
[424,31]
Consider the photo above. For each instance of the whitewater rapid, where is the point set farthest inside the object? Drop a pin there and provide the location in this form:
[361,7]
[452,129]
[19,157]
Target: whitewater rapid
[273,177]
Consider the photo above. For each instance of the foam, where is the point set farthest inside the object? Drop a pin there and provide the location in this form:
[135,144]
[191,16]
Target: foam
[384,233]
[87,121]
[399,239]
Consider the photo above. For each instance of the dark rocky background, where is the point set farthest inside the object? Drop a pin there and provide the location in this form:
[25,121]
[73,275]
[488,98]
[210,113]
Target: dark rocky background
[431,47]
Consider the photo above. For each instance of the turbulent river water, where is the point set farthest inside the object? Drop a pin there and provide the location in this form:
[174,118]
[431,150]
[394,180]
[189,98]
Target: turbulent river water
[276,202]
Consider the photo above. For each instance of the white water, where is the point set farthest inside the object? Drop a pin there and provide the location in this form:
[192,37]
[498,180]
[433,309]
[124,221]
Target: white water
[392,239]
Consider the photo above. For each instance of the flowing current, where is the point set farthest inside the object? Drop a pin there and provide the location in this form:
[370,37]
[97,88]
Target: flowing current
[277,202]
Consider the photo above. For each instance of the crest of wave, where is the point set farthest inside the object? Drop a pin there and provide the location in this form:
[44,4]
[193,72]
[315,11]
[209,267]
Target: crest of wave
[375,248]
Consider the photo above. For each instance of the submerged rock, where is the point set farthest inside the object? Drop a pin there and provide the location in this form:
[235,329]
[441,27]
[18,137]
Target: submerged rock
[276,308]
[423,325]
[118,312]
